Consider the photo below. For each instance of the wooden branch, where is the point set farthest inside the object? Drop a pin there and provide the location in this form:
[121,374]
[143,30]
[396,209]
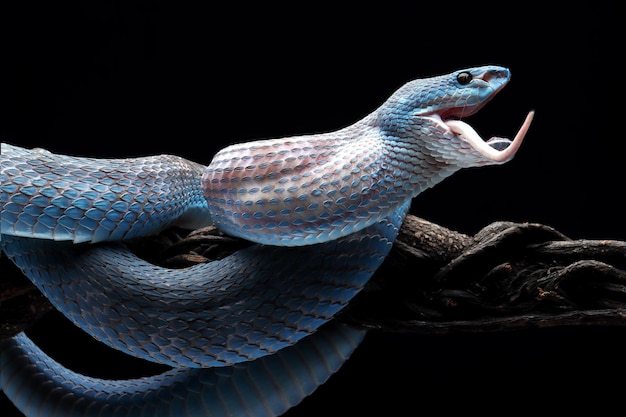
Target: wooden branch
[435,280]
[508,276]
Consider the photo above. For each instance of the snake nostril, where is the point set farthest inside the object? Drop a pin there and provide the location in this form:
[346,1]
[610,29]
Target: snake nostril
[495,75]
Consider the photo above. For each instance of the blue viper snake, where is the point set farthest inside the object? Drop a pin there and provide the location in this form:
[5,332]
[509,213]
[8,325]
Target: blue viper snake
[251,334]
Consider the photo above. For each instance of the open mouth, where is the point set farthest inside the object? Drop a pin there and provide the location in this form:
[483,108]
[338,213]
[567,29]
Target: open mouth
[495,149]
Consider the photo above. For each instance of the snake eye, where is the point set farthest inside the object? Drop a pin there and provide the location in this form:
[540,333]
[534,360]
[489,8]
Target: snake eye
[464,77]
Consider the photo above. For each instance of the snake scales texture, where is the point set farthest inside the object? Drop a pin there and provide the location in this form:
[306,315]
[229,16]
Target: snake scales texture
[253,333]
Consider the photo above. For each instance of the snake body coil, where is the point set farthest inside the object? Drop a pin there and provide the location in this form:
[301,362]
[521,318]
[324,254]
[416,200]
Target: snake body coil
[337,199]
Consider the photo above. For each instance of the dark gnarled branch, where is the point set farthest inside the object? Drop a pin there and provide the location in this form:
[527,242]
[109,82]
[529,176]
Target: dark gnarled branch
[507,276]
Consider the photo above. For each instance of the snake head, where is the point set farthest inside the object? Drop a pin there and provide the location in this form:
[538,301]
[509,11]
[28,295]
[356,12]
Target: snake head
[433,107]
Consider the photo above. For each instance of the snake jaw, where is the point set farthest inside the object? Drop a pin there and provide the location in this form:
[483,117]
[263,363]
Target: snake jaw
[495,150]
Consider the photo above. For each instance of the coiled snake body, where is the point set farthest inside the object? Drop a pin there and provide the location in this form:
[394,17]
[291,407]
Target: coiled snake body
[251,334]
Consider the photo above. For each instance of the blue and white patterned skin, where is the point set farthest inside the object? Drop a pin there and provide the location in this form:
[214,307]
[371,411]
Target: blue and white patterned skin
[59,197]
[337,199]
[312,189]
[245,306]
[265,387]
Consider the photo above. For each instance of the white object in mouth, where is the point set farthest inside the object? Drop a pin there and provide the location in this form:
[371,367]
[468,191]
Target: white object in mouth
[469,135]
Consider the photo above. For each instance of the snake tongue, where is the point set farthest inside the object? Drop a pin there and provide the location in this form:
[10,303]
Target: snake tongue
[495,149]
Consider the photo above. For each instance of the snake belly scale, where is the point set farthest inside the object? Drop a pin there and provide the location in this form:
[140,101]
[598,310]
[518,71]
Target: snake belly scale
[254,333]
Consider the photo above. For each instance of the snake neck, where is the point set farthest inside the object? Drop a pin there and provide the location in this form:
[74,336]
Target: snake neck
[315,188]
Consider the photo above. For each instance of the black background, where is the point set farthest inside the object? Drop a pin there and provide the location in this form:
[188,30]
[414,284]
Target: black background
[113,79]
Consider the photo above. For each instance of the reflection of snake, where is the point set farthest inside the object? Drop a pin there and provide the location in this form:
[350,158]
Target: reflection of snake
[336,199]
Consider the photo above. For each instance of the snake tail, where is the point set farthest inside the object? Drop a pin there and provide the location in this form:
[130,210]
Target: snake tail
[40,386]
